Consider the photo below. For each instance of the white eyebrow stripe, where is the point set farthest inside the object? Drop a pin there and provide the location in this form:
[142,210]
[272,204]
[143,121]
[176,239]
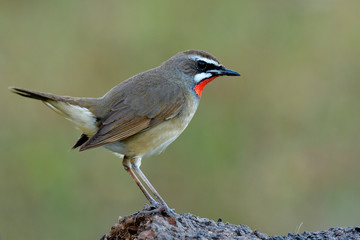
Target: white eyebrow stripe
[207,60]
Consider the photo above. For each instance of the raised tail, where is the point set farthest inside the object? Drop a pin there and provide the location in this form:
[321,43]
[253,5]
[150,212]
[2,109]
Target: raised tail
[78,110]
[33,94]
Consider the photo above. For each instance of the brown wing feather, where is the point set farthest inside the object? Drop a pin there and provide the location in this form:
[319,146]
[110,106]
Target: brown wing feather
[135,113]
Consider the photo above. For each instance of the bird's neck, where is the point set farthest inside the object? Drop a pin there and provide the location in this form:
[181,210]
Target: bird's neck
[200,86]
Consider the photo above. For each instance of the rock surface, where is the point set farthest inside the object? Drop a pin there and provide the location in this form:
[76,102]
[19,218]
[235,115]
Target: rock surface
[153,224]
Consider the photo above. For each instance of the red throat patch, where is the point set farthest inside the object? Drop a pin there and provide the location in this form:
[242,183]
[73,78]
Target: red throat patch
[200,86]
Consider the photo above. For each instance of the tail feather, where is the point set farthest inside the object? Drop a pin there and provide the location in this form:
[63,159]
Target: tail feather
[32,94]
[77,110]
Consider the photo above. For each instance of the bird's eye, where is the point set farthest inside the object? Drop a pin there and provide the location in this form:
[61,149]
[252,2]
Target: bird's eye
[201,65]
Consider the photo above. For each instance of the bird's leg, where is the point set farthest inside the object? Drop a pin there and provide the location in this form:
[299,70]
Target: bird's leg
[127,167]
[151,187]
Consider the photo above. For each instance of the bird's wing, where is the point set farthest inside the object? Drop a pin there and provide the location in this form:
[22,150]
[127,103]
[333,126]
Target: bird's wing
[137,111]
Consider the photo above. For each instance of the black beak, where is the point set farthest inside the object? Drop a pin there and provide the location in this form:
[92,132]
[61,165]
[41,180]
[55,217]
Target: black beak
[224,72]
[228,72]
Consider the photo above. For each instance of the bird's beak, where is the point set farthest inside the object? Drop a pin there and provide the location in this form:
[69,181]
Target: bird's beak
[224,72]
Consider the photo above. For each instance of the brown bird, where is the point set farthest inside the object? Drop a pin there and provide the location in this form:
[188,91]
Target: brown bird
[142,115]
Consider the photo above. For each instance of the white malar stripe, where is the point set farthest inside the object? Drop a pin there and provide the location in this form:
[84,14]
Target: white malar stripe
[207,60]
[80,116]
[201,76]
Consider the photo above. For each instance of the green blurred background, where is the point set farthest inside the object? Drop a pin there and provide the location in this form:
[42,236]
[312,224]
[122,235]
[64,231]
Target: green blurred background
[272,149]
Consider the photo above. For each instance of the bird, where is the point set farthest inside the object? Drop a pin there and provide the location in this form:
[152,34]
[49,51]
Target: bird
[142,115]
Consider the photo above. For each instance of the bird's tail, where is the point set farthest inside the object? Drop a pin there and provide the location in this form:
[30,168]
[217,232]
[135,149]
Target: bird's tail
[77,110]
[34,94]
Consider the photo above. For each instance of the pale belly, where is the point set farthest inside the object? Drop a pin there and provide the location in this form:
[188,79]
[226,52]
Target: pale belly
[155,140]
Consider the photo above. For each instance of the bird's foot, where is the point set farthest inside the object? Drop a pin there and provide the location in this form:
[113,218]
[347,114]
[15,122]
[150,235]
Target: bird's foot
[157,208]
[153,205]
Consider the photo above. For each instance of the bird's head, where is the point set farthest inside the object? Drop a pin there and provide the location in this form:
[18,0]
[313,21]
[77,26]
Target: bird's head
[197,68]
